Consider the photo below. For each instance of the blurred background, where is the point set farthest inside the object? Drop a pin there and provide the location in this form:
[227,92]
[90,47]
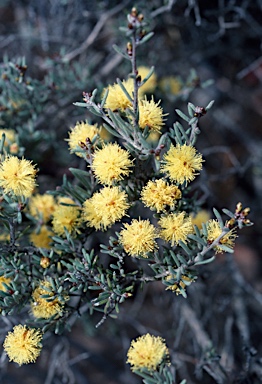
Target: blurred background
[201,51]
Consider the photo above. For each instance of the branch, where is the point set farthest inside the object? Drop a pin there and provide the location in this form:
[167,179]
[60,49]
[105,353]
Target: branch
[93,35]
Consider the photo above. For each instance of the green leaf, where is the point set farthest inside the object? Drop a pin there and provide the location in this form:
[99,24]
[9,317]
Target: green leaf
[150,73]
[121,85]
[197,239]
[206,261]
[145,38]
[228,213]
[82,176]
[181,114]
[209,105]
[118,50]
[78,104]
[104,98]
[219,218]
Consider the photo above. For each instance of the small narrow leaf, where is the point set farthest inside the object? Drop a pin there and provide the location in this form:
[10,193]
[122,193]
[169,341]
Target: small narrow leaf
[118,50]
[121,85]
[181,114]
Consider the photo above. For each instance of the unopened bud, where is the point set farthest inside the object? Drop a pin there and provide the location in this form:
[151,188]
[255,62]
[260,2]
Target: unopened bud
[239,207]
[246,211]
[45,262]
[134,12]
[129,48]
[14,148]
[230,223]
[140,17]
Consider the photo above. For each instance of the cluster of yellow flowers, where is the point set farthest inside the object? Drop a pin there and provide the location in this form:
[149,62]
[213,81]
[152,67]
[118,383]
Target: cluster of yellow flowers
[148,352]
[23,345]
[110,166]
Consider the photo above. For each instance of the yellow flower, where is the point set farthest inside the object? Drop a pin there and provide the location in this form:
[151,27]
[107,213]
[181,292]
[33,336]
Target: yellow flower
[214,231]
[158,194]
[170,85]
[104,134]
[179,286]
[43,238]
[111,163]
[150,85]
[181,163]
[23,345]
[43,206]
[138,238]
[150,115]
[105,208]
[5,280]
[10,136]
[17,176]
[147,351]
[65,200]
[175,227]
[153,137]
[117,99]
[201,217]
[44,262]
[66,217]
[46,307]
[79,134]
[4,236]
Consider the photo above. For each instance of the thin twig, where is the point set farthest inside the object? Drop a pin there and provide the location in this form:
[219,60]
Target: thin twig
[93,35]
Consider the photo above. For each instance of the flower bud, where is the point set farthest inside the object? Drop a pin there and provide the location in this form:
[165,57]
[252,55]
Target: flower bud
[45,262]
[239,207]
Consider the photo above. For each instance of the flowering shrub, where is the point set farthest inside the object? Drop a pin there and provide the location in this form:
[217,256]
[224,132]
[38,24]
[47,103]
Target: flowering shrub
[135,195]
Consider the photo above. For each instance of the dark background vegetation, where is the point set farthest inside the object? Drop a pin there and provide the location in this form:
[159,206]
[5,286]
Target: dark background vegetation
[67,45]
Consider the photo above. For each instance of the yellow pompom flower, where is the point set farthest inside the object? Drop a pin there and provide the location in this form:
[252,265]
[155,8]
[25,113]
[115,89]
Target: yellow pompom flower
[66,217]
[65,200]
[214,231]
[150,115]
[111,163]
[175,227]
[43,238]
[150,85]
[17,176]
[158,194]
[46,307]
[182,163]
[148,352]
[4,236]
[10,140]
[23,345]
[117,99]
[170,85]
[79,134]
[43,206]
[201,217]
[138,238]
[5,280]
[105,207]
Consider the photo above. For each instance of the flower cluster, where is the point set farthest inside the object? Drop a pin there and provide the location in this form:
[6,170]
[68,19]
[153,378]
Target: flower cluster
[79,135]
[138,238]
[159,194]
[105,207]
[23,345]
[17,176]
[148,352]
[181,163]
[43,307]
[111,163]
